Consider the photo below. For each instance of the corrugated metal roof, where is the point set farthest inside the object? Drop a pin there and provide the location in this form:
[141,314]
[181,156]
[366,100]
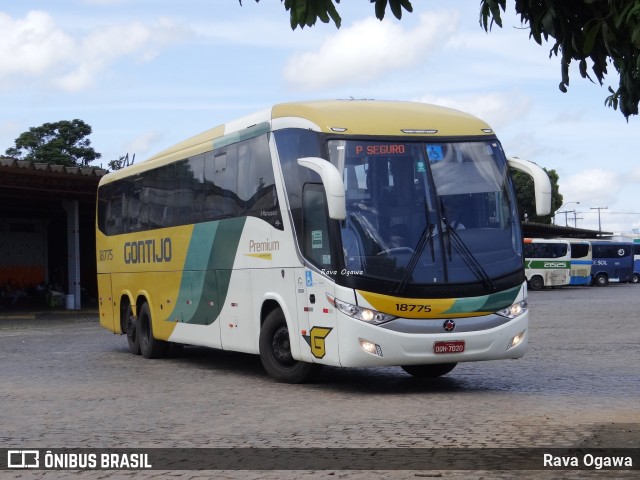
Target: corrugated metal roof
[46,167]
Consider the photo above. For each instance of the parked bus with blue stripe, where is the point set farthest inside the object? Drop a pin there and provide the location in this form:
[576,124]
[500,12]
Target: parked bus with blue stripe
[581,261]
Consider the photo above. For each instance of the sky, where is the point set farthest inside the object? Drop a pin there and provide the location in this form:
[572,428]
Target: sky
[146,74]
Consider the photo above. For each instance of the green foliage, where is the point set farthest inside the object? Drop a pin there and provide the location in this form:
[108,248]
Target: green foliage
[595,32]
[121,162]
[525,196]
[60,143]
[305,13]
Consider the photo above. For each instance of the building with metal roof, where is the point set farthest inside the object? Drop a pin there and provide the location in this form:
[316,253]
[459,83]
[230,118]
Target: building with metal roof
[47,234]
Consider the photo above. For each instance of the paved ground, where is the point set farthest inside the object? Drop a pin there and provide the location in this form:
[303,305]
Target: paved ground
[68,383]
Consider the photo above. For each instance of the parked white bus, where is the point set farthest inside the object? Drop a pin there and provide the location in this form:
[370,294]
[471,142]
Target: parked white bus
[322,233]
[547,262]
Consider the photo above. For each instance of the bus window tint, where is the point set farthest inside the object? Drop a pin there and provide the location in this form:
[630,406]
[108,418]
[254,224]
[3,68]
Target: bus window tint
[235,180]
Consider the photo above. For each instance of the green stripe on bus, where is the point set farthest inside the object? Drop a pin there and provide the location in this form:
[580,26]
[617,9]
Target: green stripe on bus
[203,292]
[485,303]
[235,137]
[547,264]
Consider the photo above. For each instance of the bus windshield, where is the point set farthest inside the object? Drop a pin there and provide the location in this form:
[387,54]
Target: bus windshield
[427,213]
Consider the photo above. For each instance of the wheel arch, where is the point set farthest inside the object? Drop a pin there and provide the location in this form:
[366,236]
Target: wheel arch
[272,302]
[123,303]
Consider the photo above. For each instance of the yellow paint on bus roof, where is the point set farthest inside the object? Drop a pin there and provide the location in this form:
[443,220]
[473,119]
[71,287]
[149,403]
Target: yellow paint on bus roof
[372,117]
[358,117]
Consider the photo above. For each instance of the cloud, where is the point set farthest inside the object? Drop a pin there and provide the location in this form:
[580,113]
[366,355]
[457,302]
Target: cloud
[143,144]
[32,45]
[495,108]
[594,186]
[35,47]
[366,51]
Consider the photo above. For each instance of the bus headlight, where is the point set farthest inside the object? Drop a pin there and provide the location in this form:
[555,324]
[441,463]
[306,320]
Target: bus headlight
[514,310]
[359,313]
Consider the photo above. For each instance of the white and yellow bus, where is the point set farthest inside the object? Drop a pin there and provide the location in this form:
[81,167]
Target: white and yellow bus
[343,233]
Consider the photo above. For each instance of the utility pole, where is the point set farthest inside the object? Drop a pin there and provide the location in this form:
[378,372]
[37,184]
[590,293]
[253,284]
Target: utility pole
[575,219]
[599,208]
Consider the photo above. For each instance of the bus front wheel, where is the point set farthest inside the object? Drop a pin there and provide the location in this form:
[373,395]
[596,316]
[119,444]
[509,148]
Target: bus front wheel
[150,347]
[131,330]
[601,280]
[429,371]
[635,278]
[275,352]
[536,283]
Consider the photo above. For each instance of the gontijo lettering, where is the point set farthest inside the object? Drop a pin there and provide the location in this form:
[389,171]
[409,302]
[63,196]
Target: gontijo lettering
[148,251]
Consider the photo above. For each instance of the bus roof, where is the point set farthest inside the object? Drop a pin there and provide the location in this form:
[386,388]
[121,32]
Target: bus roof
[347,117]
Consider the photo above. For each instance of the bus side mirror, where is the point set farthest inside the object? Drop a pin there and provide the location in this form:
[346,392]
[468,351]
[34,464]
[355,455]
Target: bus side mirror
[333,185]
[541,183]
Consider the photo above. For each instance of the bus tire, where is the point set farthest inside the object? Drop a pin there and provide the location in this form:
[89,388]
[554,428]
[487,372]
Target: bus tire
[131,329]
[635,278]
[429,371]
[275,352]
[536,283]
[601,280]
[150,347]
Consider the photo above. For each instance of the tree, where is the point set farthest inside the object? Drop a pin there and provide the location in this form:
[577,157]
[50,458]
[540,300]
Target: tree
[525,196]
[60,143]
[599,32]
[121,162]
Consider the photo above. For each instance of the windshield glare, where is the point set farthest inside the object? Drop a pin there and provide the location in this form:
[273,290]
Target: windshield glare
[406,201]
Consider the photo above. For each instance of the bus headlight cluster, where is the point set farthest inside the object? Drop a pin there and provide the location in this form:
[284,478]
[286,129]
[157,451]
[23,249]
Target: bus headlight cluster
[514,310]
[364,314]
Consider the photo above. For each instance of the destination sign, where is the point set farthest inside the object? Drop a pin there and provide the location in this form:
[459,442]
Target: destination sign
[372,149]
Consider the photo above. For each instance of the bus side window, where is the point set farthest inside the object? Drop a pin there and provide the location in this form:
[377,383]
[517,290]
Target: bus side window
[316,231]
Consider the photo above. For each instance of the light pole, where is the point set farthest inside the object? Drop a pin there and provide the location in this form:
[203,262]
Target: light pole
[566,222]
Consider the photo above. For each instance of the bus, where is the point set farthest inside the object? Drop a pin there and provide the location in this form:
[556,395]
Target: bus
[636,261]
[322,233]
[581,261]
[547,262]
[612,262]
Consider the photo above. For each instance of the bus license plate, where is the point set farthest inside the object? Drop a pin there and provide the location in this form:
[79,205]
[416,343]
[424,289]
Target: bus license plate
[454,346]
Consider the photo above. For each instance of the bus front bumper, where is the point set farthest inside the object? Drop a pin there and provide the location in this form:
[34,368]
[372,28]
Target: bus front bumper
[365,345]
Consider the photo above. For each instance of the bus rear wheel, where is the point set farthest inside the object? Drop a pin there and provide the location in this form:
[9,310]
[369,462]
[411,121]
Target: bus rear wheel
[536,283]
[275,352]
[150,347]
[601,280]
[635,278]
[429,371]
[131,330]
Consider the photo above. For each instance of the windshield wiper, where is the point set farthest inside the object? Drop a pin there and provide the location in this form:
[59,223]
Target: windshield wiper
[467,257]
[425,237]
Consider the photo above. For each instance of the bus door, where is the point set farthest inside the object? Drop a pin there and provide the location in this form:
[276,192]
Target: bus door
[317,317]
